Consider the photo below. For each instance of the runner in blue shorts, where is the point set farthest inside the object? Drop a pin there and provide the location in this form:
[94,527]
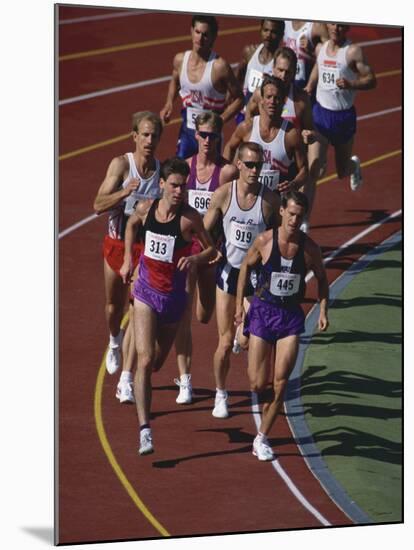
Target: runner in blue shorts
[282,257]
[340,70]
[204,81]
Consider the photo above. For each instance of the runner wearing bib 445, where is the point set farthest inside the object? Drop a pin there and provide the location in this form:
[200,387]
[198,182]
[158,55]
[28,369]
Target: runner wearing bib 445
[204,81]
[275,318]
[281,142]
[167,227]
[245,208]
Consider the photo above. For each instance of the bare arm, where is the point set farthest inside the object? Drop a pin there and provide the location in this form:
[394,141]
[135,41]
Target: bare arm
[316,265]
[294,143]
[173,89]
[252,107]
[366,79]
[134,221]
[313,78]
[242,66]
[214,212]
[108,193]
[235,140]
[252,257]
[229,172]
[228,83]
[198,231]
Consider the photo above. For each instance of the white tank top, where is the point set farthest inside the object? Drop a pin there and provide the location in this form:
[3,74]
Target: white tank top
[291,39]
[148,189]
[276,161]
[255,70]
[199,96]
[289,111]
[241,227]
[330,68]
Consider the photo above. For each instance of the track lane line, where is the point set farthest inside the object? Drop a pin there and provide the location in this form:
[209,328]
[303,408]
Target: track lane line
[102,17]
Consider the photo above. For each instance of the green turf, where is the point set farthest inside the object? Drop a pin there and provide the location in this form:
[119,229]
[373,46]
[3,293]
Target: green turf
[351,389]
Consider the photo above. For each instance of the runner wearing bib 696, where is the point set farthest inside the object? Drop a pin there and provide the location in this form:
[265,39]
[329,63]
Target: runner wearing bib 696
[281,142]
[282,257]
[205,81]
[341,69]
[257,59]
[208,170]
[168,226]
[246,208]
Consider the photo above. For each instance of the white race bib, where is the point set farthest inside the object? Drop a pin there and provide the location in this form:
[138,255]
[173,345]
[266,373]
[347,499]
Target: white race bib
[192,113]
[132,200]
[269,178]
[200,200]
[284,284]
[301,70]
[328,78]
[159,247]
[242,235]
[254,80]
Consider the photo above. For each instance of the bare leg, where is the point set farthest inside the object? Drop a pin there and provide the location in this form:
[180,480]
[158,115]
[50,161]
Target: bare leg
[183,340]
[115,299]
[206,295]
[314,164]
[344,164]
[225,309]
[242,340]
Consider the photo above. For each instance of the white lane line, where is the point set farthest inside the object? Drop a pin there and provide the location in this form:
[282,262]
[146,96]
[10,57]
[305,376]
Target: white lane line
[101,17]
[255,404]
[379,113]
[355,239]
[282,473]
[157,80]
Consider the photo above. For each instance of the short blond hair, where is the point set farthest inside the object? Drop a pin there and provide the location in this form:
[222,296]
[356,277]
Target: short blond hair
[138,117]
[209,117]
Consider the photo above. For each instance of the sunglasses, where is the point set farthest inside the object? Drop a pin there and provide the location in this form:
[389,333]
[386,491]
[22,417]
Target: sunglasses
[210,135]
[250,165]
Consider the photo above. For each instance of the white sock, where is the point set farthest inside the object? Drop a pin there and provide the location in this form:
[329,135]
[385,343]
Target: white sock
[221,393]
[126,376]
[185,377]
[115,341]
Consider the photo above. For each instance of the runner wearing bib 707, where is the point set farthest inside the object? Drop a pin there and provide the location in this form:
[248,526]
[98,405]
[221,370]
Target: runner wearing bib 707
[282,257]
[245,208]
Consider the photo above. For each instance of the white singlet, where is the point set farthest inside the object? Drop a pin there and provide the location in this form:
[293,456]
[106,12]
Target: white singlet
[330,68]
[276,161]
[255,70]
[291,39]
[289,111]
[241,227]
[149,189]
[199,96]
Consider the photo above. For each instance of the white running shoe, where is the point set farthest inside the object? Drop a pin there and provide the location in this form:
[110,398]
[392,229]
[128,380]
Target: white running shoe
[125,392]
[355,180]
[220,407]
[262,449]
[305,227]
[145,442]
[185,395]
[113,359]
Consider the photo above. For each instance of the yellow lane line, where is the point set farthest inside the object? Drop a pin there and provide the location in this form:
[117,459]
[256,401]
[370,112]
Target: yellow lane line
[364,164]
[110,455]
[389,73]
[148,43]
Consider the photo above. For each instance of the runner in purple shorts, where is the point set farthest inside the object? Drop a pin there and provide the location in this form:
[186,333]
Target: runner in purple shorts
[282,257]
[167,227]
[340,70]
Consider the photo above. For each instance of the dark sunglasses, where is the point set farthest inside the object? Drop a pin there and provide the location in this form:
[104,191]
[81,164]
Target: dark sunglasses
[250,165]
[205,135]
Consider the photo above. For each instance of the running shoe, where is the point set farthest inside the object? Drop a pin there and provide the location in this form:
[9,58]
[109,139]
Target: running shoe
[185,395]
[262,449]
[125,392]
[145,442]
[220,406]
[113,359]
[356,176]
[305,227]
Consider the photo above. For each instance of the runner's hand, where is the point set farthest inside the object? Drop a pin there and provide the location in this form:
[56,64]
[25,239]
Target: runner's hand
[133,185]
[323,322]
[126,273]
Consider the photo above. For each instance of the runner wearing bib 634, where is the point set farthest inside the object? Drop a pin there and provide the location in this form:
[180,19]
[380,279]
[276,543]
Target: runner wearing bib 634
[340,71]
[167,226]
[282,258]
[204,81]
[245,208]
[281,142]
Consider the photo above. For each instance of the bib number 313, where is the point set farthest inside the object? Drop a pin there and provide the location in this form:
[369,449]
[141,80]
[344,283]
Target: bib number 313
[159,247]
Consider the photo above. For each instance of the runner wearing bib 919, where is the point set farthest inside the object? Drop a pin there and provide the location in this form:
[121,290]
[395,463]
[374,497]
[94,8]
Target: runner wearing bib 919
[168,226]
[341,69]
[204,81]
[282,257]
[281,143]
[246,208]
[208,170]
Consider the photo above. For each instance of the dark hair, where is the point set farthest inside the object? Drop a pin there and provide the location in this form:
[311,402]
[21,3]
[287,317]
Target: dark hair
[288,54]
[279,25]
[297,197]
[270,79]
[251,146]
[174,165]
[210,20]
